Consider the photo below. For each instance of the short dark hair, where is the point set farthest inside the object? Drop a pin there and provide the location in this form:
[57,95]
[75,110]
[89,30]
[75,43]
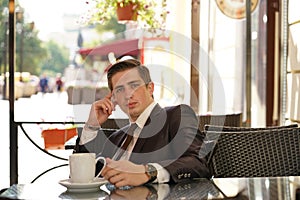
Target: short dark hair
[128,64]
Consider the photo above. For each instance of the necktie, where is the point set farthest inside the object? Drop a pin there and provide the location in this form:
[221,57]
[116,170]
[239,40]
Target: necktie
[128,139]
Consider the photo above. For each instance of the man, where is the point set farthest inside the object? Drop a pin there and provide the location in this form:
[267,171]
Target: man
[44,83]
[166,142]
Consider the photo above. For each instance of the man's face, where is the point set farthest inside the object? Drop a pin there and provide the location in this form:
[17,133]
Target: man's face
[131,93]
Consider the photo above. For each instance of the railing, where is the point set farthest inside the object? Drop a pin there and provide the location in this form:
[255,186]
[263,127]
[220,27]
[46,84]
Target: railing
[35,144]
[109,124]
[20,124]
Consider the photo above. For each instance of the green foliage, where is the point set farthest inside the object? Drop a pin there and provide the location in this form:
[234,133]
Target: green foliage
[112,25]
[32,53]
[151,14]
[29,50]
[57,58]
[3,28]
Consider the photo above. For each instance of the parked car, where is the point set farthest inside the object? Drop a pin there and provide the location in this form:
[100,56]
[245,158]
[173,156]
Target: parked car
[23,88]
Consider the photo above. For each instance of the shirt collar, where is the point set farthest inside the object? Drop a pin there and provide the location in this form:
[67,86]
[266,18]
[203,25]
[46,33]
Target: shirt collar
[141,120]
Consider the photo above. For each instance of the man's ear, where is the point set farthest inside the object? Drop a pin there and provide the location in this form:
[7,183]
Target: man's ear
[150,87]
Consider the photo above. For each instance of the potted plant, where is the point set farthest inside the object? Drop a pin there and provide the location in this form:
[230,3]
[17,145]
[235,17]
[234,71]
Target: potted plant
[149,14]
[126,12]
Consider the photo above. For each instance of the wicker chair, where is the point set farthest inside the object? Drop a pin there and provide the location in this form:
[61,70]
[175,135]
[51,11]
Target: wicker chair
[233,120]
[115,123]
[265,152]
[225,128]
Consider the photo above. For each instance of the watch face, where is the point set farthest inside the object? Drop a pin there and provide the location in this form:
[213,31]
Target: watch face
[151,170]
[153,173]
[235,8]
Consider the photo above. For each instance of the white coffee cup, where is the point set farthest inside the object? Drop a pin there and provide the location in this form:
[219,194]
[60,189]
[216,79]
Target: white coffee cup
[83,167]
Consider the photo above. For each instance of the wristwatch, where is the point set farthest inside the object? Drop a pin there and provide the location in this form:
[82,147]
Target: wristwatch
[151,172]
[92,128]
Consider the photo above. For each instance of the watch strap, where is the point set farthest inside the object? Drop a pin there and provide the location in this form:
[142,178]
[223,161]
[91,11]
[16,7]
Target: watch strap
[92,128]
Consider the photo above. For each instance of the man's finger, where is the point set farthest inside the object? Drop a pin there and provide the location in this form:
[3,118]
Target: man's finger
[109,95]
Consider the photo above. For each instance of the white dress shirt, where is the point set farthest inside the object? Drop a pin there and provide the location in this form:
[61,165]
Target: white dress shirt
[162,174]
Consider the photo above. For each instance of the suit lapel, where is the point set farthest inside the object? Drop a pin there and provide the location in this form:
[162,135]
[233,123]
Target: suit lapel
[151,128]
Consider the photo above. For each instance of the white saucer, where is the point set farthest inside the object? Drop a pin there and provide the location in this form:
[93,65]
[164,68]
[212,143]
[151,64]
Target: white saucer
[83,187]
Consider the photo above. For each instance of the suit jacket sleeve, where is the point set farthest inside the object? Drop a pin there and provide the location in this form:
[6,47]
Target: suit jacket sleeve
[186,146]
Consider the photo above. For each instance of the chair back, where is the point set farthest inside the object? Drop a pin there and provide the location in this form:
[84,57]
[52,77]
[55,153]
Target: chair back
[115,123]
[233,120]
[209,127]
[252,152]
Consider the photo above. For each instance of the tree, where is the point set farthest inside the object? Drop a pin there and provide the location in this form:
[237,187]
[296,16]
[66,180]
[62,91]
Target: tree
[32,52]
[57,58]
[111,26]
[29,50]
[3,31]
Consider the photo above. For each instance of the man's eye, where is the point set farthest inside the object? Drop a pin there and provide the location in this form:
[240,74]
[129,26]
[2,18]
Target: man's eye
[135,85]
[118,90]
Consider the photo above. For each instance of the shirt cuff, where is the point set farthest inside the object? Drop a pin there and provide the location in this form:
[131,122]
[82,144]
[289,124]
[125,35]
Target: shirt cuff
[163,175]
[87,135]
[163,190]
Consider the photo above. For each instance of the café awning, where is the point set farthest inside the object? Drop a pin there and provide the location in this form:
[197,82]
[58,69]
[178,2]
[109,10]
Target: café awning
[119,48]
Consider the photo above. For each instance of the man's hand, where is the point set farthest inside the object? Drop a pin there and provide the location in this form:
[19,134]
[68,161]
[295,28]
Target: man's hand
[100,111]
[124,173]
[134,193]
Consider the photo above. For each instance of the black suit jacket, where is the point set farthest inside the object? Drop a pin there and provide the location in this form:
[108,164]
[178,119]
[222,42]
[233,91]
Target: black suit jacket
[170,138]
